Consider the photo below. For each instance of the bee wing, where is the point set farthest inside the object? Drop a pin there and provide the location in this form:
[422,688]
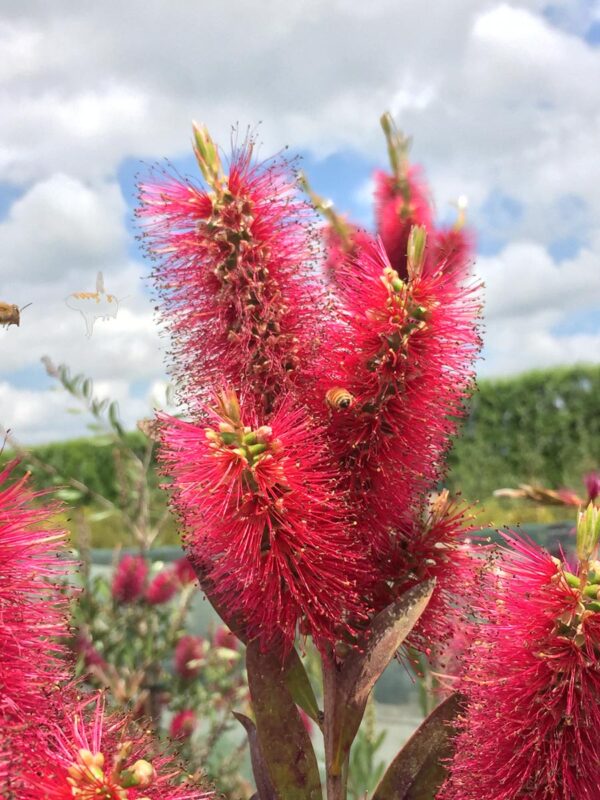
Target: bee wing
[100,283]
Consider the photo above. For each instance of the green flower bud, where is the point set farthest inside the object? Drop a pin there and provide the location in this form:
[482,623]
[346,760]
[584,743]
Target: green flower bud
[415,251]
[588,532]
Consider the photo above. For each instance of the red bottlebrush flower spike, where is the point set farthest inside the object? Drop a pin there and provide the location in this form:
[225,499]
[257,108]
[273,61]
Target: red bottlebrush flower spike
[340,248]
[341,238]
[261,504]
[402,199]
[183,724]
[184,571]
[532,685]
[162,588]
[33,605]
[92,755]
[233,273]
[454,248]
[129,579]
[189,656]
[401,204]
[401,369]
[436,545]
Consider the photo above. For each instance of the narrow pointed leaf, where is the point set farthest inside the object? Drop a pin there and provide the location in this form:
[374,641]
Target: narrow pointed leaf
[388,630]
[284,742]
[419,769]
[364,666]
[300,687]
[265,789]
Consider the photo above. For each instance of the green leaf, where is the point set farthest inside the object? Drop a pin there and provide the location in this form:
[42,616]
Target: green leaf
[113,413]
[300,687]
[69,495]
[419,769]
[98,516]
[284,741]
[95,427]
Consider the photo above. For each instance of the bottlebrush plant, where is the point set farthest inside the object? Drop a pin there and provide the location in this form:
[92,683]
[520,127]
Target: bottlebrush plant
[324,370]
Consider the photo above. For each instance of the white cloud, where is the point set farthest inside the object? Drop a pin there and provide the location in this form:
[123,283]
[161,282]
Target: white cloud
[61,225]
[41,415]
[523,280]
[527,296]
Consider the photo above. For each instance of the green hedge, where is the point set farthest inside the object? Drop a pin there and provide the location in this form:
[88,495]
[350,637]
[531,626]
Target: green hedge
[540,426]
[91,461]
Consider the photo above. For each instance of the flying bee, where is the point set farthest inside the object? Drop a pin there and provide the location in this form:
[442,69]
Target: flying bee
[94,305]
[10,314]
[339,398]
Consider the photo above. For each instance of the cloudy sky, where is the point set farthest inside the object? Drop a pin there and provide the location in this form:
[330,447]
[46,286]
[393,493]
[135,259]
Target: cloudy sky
[501,98]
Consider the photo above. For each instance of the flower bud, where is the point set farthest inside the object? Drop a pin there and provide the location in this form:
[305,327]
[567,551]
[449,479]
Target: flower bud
[207,156]
[588,532]
[416,251]
[141,775]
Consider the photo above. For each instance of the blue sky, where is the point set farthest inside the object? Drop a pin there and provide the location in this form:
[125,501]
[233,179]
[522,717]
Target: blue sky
[500,97]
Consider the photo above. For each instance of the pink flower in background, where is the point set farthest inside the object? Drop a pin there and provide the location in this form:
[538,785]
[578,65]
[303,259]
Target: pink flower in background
[223,637]
[129,579]
[184,571]
[532,684]
[261,504]
[189,656]
[163,587]
[453,250]
[33,605]
[183,724]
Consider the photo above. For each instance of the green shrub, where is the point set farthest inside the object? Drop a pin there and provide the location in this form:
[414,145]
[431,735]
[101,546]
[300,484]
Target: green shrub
[539,427]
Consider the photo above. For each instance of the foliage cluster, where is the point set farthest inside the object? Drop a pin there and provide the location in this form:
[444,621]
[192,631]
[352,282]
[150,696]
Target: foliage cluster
[542,427]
